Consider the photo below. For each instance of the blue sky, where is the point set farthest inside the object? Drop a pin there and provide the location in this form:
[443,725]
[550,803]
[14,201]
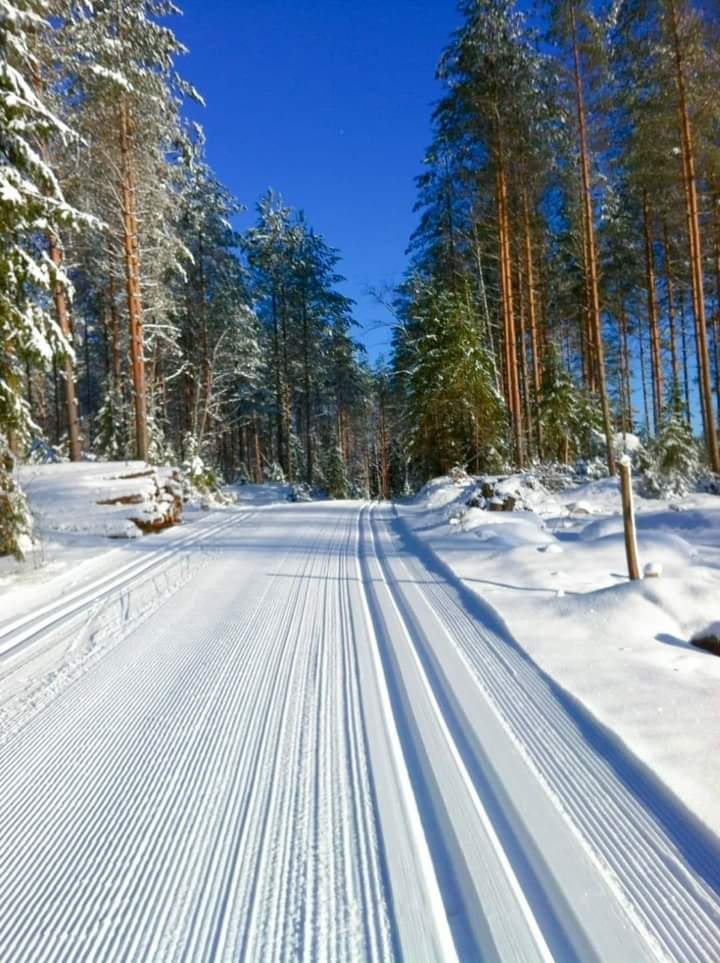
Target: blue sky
[328,102]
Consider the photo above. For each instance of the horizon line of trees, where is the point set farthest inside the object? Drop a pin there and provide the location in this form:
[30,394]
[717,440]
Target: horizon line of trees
[563,285]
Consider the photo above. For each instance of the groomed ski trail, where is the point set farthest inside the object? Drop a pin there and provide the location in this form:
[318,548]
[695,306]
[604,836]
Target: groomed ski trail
[323,750]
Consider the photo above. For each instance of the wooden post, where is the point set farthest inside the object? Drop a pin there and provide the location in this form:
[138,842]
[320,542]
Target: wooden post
[631,549]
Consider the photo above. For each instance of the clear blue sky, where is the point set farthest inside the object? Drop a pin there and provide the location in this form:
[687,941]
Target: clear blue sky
[328,102]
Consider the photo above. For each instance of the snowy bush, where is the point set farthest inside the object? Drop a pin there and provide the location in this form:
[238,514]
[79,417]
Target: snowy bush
[15,518]
[201,481]
[274,473]
[671,463]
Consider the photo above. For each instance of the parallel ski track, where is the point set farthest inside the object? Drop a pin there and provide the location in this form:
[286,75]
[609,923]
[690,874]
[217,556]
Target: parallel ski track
[485,903]
[678,910]
[206,792]
[40,623]
[206,798]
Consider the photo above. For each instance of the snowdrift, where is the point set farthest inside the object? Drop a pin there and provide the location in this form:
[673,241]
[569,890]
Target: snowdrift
[109,499]
[554,570]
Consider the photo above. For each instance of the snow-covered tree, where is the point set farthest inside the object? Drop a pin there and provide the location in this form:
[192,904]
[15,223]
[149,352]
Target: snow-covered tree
[672,464]
[455,412]
[567,415]
[31,204]
[126,100]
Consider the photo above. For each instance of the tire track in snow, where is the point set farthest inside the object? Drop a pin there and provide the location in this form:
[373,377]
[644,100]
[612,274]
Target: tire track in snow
[180,781]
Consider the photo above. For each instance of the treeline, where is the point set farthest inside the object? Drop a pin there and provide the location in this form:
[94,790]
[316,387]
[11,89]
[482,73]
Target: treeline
[134,320]
[565,280]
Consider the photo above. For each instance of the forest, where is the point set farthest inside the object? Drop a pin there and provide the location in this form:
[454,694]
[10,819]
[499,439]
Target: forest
[562,284]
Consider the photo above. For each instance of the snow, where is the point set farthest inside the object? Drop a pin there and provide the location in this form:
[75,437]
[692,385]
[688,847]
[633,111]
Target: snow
[558,579]
[94,498]
[289,731]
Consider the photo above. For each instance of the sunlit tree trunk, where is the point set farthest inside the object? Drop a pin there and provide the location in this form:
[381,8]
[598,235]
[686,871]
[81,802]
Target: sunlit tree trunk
[669,287]
[656,355]
[512,381]
[131,252]
[695,244]
[592,267]
[63,317]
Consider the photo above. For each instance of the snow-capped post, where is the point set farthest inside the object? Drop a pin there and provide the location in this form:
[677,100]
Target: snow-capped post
[631,549]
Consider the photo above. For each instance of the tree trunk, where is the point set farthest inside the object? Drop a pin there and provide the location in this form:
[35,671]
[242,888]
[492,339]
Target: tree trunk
[256,447]
[695,245]
[131,251]
[643,379]
[384,465]
[63,317]
[671,310]
[686,372]
[63,314]
[309,467]
[657,373]
[512,384]
[205,342]
[626,366]
[593,281]
[532,315]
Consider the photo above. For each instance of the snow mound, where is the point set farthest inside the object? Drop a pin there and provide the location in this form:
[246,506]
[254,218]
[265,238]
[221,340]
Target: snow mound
[110,499]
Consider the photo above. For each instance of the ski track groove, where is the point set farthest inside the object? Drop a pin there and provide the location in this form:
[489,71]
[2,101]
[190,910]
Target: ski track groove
[24,634]
[507,902]
[679,912]
[209,795]
[127,866]
[15,634]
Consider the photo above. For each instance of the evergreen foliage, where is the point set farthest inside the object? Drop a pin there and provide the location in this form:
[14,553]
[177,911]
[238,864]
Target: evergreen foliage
[564,276]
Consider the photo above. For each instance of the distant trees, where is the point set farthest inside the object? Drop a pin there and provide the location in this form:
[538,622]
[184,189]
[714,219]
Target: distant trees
[317,383]
[564,278]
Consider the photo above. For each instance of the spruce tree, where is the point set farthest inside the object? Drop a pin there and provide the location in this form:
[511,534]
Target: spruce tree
[31,202]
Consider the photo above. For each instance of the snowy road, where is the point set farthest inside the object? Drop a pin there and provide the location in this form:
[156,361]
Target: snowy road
[325,749]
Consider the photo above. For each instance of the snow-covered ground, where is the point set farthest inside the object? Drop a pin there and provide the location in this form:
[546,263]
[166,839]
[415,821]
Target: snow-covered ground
[325,747]
[557,576]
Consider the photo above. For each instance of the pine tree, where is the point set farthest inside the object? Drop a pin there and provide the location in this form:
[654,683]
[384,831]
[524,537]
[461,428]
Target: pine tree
[674,460]
[566,414]
[335,474]
[31,202]
[456,414]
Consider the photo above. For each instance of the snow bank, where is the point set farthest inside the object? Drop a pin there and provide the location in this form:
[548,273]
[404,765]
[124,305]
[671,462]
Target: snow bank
[557,575]
[111,499]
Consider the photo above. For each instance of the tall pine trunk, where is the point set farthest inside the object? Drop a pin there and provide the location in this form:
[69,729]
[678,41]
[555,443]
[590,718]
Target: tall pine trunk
[63,318]
[671,310]
[533,316]
[695,244]
[131,251]
[512,382]
[309,466]
[592,265]
[656,354]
